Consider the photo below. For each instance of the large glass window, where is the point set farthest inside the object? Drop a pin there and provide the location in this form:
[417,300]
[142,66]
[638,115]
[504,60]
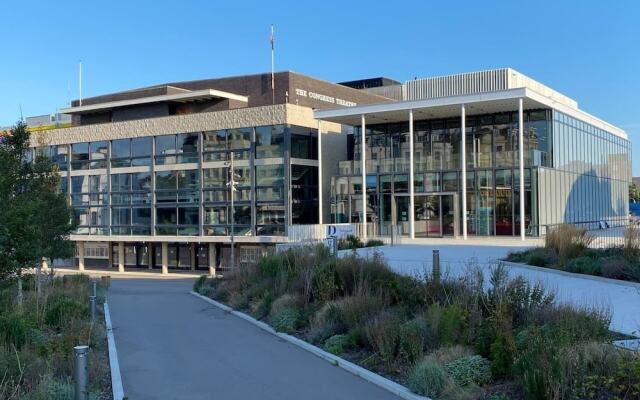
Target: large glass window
[80,156]
[270,141]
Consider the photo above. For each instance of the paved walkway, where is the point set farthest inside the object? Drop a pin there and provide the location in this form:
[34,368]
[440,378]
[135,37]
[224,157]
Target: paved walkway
[621,298]
[172,345]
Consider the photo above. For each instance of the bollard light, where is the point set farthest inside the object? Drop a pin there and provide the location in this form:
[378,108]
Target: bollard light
[81,354]
[92,305]
[436,266]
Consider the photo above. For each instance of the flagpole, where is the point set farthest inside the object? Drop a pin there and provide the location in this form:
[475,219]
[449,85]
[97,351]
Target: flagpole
[273,81]
[80,83]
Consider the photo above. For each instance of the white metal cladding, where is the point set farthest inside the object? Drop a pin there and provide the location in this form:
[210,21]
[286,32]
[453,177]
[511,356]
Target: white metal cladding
[460,84]
[477,82]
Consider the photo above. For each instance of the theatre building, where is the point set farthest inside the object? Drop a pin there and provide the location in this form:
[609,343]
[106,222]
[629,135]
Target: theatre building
[147,170]
[491,153]
[150,171]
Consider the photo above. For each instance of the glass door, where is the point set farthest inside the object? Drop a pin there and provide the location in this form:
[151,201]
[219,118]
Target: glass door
[402,214]
[448,211]
[427,216]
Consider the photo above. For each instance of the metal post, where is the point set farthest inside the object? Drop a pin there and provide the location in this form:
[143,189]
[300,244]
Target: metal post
[81,361]
[463,167]
[436,266]
[92,305]
[212,260]
[521,156]
[412,224]
[232,188]
[94,288]
[363,168]
[20,295]
[120,256]
[320,186]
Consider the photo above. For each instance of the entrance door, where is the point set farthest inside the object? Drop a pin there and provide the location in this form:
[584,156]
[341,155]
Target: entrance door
[427,216]
[434,214]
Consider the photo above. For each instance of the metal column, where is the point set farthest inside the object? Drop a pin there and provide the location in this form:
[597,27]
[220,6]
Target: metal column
[80,256]
[412,227]
[363,219]
[165,258]
[320,208]
[521,163]
[120,256]
[463,167]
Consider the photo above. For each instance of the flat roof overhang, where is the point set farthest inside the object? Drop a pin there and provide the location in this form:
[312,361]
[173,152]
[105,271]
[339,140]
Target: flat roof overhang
[449,107]
[196,95]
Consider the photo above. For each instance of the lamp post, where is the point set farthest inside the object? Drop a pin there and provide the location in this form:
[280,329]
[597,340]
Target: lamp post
[232,188]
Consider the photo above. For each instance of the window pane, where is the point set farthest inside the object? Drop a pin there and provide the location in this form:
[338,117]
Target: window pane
[141,216]
[269,175]
[166,180]
[141,147]
[120,182]
[188,143]
[188,216]
[166,216]
[188,179]
[79,184]
[166,145]
[141,181]
[215,141]
[239,138]
[120,148]
[270,141]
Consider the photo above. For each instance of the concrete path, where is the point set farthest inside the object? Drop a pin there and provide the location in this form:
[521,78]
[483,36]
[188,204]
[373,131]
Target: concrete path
[172,345]
[621,298]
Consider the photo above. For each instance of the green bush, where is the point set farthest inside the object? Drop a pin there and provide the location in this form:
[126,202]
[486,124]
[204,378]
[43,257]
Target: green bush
[199,283]
[427,378]
[449,322]
[374,243]
[326,322]
[324,282]
[584,265]
[470,370]
[337,344]
[261,307]
[415,335]
[286,320]
[447,354]
[15,329]
[355,310]
[383,335]
[64,309]
[269,264]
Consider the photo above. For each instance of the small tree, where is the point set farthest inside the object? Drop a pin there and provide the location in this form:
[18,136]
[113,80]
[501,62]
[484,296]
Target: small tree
[35,218]
[634,193]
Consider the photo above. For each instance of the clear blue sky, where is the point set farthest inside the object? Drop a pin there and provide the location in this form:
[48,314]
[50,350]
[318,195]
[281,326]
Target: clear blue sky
[588,50]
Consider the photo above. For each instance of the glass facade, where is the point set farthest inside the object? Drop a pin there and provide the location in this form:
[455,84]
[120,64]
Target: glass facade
[176,185]
[558,151]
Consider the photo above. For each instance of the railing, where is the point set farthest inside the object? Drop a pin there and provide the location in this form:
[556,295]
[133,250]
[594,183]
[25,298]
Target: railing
[604,233]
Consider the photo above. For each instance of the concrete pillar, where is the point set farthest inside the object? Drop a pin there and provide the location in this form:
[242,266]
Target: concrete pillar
[150,255]
[320,188]
[80,256]
[212,260]
[463,167]
[120,256]
[193,258]
[110,255]
[165,258]
[521,163]
[412,225]
[363,149]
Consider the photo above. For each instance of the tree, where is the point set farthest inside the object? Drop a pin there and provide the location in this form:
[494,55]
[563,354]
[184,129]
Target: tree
[35,217]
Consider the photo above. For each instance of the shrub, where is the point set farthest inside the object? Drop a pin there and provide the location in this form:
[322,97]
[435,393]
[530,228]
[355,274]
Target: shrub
[14,329]
[285,320]
[326,322]
[427,379]
[261,307]
[355,310]
[64,309]
[383,335]
[567,241]
[538,257]
[285,301]
[470,370]
[324,282]
[270,264]
[584,265]
[631,247]
[374,243]
[199,283]
[616,268]
[449,322]
[350,242]
[337,344]
[415,335]
[447,354]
